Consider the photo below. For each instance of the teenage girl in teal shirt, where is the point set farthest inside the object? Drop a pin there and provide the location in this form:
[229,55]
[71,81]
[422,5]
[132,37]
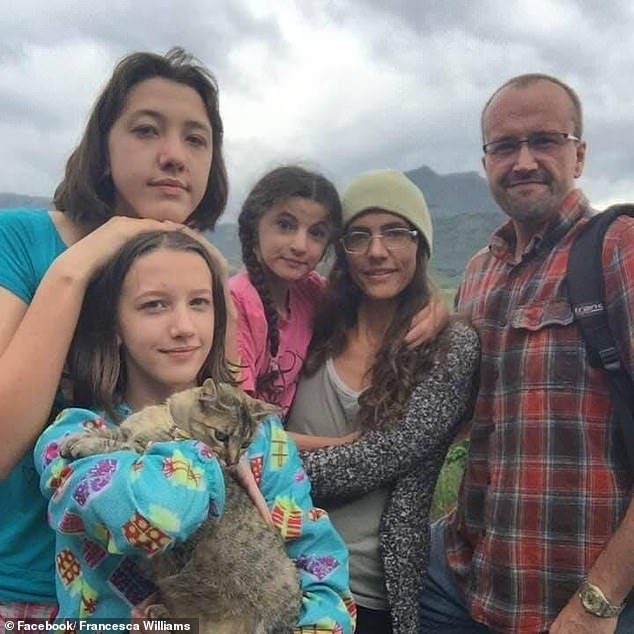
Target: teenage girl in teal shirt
[150,157]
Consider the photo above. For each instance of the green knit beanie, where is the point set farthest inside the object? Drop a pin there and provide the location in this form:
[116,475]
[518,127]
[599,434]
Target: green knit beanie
[388,190]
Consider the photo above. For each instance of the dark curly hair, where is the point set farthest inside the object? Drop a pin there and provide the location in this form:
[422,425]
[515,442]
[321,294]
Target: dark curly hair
[278,185]
[396,369]
[87,194]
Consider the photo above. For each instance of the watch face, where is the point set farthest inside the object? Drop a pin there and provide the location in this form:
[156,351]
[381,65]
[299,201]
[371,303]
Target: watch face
[591,600]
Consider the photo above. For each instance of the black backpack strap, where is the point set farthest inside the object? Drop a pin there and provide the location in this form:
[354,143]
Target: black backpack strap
[585,289]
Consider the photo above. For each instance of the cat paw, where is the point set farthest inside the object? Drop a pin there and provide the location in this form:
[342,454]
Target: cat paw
[157,612]
[78,446]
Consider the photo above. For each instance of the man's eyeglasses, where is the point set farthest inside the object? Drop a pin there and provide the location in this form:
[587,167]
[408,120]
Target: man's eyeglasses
[393,239]
[538,142]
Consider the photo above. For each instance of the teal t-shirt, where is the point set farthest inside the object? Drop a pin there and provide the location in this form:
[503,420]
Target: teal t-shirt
[29,242]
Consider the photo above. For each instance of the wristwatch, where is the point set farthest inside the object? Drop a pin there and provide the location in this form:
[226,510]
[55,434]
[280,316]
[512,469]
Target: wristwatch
[595,602]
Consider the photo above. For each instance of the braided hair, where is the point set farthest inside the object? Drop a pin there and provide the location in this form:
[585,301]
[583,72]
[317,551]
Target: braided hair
[278,185]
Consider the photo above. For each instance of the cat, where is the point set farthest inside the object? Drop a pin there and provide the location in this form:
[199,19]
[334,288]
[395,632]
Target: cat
[233,574]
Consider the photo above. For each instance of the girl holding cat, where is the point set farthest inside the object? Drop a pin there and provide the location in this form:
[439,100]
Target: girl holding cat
[153,323]
[150,157]
[287,222]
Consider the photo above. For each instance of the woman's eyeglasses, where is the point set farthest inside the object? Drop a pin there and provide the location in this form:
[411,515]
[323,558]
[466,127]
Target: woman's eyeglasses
[393,239]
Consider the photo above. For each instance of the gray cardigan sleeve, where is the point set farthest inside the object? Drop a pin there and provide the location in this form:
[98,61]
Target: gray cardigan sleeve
[379,457]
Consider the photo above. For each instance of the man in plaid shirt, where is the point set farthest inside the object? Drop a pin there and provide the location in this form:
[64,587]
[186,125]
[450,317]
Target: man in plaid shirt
[543,536]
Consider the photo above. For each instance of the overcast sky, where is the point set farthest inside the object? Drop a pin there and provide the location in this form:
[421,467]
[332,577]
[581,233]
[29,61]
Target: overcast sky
[340,85]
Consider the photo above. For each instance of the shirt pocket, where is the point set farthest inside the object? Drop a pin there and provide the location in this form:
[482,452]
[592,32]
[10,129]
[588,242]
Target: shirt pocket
[546,345]
[537,316]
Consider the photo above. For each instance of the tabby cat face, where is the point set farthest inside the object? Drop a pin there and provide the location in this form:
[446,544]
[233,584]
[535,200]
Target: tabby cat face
[221,415]
[228,432]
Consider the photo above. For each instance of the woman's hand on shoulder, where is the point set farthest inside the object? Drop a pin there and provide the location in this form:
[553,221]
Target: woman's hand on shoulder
[427,323]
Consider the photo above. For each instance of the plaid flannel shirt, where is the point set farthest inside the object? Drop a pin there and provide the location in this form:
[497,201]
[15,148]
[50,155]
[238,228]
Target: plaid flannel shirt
[547,481]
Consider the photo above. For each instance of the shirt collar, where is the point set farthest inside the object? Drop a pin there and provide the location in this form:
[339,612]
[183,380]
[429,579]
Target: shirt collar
[574,206]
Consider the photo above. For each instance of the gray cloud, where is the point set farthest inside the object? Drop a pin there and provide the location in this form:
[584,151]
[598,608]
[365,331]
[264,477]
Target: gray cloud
[339,85]
[117,27]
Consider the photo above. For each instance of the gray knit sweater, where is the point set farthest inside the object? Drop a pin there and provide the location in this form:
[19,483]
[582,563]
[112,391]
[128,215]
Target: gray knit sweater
[407,459]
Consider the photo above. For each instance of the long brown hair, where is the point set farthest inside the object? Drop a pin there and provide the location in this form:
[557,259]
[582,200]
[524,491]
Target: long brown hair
[396,369]
[278,185]
[87,192]
[97,368]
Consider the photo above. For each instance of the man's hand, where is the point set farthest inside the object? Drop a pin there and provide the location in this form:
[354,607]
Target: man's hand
[573,619]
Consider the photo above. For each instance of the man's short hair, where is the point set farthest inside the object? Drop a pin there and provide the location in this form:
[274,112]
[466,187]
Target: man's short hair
[521,81]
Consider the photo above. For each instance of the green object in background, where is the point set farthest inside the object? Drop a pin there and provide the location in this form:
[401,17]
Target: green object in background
[448,483]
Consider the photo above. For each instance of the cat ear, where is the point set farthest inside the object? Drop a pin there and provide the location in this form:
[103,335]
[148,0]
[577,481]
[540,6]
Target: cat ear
[209,388]
[261,409]
[208,393]
[181,406]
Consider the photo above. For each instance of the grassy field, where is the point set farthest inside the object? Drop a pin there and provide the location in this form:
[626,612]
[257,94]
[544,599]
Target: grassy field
[449,479]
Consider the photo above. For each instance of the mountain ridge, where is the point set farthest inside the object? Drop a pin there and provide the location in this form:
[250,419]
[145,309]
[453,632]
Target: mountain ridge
[463,213]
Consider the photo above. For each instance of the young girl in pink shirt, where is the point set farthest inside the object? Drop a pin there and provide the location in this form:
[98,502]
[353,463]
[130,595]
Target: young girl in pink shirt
[287,221]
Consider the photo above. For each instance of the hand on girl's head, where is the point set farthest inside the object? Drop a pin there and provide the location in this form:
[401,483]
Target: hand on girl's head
[97,247]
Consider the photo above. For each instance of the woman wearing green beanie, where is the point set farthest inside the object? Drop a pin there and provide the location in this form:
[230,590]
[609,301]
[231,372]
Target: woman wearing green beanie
[404,404]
